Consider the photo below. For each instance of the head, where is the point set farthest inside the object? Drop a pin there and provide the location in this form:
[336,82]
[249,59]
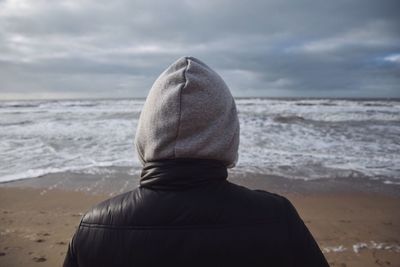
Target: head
[189,113]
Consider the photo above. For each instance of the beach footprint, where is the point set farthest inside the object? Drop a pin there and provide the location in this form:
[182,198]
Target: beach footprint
[382,262]
[39,259]
[40,237]
[340,264]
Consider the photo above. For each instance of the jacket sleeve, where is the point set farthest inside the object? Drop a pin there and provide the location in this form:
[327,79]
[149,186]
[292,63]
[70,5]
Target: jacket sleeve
[304,248]
[70,258]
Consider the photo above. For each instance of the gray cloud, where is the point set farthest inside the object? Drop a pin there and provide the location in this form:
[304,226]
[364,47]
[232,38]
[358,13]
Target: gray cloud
[261,48]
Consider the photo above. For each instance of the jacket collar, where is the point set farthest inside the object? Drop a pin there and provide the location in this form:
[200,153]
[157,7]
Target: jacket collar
[178,174]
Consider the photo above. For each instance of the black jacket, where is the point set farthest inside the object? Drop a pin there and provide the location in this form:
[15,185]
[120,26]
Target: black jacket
[185,213]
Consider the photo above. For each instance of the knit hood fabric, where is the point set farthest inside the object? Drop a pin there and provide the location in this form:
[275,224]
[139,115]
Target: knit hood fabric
[189,113]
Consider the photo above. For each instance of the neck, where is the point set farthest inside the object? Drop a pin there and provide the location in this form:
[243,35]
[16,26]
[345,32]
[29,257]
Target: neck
[178,174]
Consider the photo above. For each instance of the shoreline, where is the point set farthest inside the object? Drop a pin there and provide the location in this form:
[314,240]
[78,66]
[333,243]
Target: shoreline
[115,180]
[353,226]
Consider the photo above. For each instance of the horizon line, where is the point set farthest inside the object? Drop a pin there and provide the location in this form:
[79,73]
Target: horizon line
[241,97]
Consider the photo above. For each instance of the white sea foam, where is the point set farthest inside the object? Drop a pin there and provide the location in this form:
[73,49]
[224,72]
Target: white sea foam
[357,248]
[391,182]
[340,248]
[360,246]
[299,139]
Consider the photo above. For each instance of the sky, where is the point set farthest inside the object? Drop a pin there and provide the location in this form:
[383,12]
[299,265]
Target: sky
[55,49]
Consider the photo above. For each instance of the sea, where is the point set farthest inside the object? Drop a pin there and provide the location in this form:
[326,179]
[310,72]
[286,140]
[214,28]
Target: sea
[304,139]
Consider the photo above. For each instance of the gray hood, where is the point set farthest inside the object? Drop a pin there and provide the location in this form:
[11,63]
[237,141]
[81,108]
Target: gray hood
[189,113]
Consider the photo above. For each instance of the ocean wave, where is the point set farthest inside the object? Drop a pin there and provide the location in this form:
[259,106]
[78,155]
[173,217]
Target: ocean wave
[367,117]
[369,104]
[288,119]
[15,123]
[36,173]
[317,104]
[343,137]
[19,105]
[66,104]
[81,104]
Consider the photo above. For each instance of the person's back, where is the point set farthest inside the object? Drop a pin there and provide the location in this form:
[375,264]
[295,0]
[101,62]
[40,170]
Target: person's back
[185,212]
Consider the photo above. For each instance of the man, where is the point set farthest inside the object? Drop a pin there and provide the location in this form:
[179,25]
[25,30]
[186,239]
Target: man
[185,212]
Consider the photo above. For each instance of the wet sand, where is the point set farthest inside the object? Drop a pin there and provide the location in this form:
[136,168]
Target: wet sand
[353,227]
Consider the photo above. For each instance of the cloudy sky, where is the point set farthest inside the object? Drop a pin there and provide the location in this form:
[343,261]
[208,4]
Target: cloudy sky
[92,48]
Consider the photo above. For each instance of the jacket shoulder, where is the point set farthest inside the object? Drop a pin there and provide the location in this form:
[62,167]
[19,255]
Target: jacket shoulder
[263,203]
[112,210]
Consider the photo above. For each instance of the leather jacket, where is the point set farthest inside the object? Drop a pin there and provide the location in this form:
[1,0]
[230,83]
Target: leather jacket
[186,213]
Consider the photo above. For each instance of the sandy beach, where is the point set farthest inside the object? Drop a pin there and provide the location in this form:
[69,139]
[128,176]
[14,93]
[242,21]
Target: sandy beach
[353,228]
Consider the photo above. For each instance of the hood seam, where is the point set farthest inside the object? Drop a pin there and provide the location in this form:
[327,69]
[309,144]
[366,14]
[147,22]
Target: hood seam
[180,104]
